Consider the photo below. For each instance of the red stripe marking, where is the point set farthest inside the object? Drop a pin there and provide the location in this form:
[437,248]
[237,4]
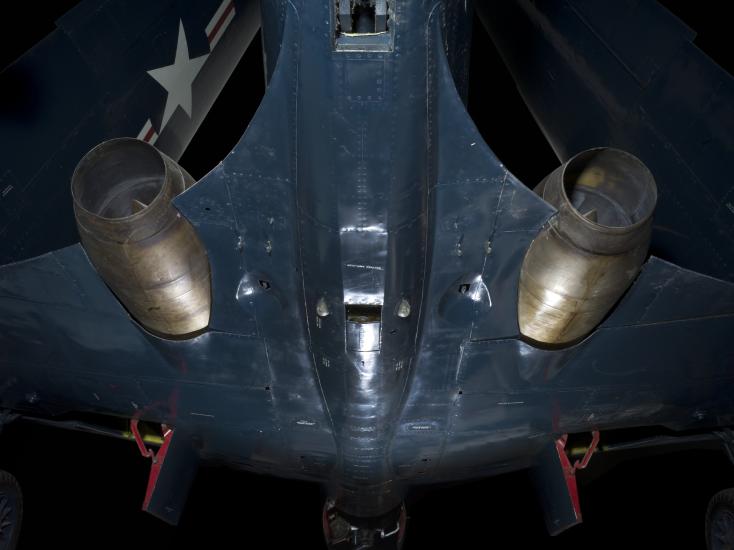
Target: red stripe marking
[149,133]
[219,24]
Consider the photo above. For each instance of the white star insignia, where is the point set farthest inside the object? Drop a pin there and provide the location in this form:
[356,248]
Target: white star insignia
[178,78]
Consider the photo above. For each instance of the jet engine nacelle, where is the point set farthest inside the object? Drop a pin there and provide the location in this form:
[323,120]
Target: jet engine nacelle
[588,254]
[147,253]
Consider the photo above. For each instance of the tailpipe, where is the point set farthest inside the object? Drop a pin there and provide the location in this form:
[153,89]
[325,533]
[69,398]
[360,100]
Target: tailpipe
[589,253]
[147,253]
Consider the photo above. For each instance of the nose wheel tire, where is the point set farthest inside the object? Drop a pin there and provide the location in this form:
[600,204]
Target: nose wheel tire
[720,521]
[11,511]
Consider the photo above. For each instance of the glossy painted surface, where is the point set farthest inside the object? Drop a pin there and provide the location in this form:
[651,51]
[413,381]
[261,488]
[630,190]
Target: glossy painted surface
[362,181]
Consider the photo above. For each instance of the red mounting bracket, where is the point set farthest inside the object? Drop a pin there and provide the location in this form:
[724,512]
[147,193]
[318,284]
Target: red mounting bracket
[157,458]
[569,470]
[584,462]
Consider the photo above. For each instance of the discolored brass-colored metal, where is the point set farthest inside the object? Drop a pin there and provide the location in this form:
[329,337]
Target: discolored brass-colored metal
[589,253]
[147,253]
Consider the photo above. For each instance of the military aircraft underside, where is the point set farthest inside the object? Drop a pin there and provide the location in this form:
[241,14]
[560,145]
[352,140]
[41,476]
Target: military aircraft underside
[360,294]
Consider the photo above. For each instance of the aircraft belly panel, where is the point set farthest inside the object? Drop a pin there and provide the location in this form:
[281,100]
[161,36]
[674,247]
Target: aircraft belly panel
[631,372]
[90,356]
[365,248]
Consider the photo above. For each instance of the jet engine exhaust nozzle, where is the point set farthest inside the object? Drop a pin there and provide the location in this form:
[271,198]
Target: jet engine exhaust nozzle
[589,253]
[147,253]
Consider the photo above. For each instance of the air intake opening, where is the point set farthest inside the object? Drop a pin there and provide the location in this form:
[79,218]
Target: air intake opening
[118,178]
[609,187]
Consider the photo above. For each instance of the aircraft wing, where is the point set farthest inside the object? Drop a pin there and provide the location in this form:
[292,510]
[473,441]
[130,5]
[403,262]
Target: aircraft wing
[671,107]
[149,70]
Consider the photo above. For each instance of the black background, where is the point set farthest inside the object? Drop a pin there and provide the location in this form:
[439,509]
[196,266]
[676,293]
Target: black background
[84,491]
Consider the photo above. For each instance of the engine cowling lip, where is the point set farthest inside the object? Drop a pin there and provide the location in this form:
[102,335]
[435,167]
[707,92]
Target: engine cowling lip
[89,158]
[592,236]
[649,181]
